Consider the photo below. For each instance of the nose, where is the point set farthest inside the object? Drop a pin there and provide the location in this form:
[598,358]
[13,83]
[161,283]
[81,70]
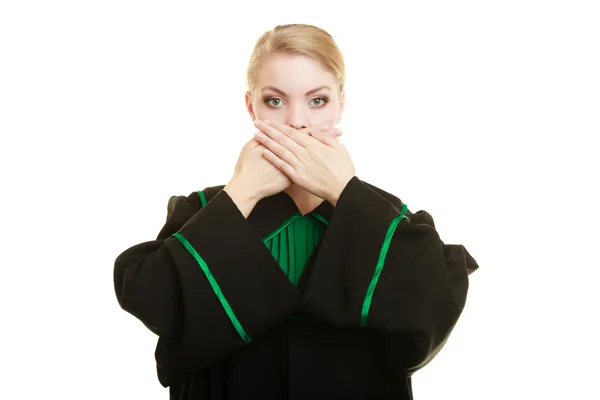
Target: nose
[296,118]
[297,126]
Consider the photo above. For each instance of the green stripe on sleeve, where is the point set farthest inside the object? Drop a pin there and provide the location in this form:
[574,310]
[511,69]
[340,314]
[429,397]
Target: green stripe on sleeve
[384,250]
[214,285]
[202,198]
[404,209]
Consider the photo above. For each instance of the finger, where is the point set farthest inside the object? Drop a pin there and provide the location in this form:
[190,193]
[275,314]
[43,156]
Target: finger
[251,144]
[328,137]
[267,127]
[278,162]
[254,143]
[289,132]
[280,151]
[335,132]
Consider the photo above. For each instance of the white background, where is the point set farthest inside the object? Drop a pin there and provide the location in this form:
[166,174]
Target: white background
[483,113]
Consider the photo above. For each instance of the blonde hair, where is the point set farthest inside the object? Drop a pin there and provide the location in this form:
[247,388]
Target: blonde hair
[293,39]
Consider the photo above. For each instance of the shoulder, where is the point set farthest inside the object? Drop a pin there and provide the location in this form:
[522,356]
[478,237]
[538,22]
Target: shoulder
[386,195]
[194,200]
[418,217]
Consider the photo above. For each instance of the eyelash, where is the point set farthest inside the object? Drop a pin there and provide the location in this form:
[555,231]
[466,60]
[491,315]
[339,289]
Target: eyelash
[325,100]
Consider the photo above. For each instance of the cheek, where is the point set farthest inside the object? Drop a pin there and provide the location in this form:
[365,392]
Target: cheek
[262,111]
[267,113]
[328,117]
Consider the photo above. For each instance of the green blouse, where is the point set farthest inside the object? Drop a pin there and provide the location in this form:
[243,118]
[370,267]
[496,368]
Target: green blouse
[294,241]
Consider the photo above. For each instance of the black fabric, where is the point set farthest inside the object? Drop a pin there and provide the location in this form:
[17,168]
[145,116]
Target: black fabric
[325,353]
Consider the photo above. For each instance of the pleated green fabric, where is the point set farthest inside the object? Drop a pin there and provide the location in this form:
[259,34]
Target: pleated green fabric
[292,244]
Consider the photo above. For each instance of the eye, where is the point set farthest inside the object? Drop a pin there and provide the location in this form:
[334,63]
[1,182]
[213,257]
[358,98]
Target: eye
[270,101]
[277,102]
[322,101]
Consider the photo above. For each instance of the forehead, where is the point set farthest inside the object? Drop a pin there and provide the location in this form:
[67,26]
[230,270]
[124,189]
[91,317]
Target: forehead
[293,73]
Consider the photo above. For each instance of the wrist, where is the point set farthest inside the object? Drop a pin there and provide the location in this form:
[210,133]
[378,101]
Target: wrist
[334,196]
[241,191]
[337,190]
[242,196]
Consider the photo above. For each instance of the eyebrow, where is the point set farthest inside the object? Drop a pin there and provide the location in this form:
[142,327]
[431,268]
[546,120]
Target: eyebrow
[273,88]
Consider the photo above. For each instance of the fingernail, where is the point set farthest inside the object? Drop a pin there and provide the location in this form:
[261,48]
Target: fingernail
[337,131]
[267,122]
[324,127]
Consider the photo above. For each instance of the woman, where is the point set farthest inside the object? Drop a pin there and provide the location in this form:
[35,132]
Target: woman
[296,279]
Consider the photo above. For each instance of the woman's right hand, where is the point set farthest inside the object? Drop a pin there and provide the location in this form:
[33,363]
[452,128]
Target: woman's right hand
[256,174]
[257,177]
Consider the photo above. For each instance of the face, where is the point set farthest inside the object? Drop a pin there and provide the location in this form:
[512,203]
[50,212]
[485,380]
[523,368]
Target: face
[297,91]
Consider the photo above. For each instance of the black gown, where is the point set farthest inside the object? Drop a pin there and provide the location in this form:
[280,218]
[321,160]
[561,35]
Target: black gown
[375,301]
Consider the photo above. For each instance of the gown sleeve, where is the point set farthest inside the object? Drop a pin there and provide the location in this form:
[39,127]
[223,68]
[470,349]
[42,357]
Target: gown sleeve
[207,285]
[386,269]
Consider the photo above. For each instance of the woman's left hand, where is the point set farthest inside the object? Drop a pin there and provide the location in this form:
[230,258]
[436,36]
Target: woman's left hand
[315,161]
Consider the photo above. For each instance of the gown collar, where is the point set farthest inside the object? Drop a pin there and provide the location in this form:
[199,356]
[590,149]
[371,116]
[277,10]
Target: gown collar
[271,212]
